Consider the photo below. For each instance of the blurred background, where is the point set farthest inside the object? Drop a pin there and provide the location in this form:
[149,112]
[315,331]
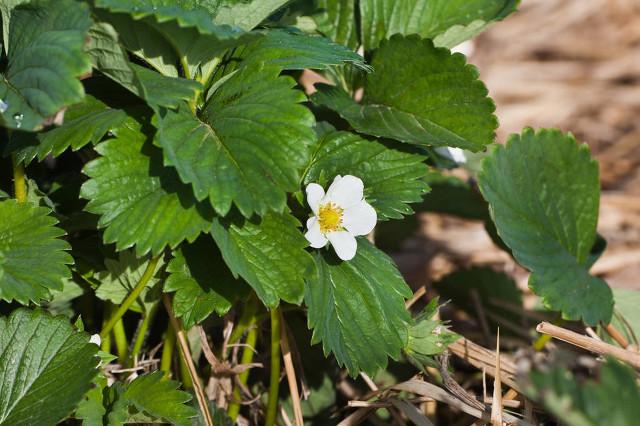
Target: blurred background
[569,64]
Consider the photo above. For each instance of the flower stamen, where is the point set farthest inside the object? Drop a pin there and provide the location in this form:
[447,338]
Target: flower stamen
[330,217]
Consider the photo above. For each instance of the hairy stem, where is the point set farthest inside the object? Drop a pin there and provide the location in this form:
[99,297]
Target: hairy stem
[169,342]
[19,181]
[131,298]
[142,333]
[120,336]
[247,358]
[274,380]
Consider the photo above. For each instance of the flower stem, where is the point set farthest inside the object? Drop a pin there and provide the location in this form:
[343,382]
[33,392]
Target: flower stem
[19,180]
[131,298]
[142,333]
[274,380]
[247,358]
[168,344]
[120,336]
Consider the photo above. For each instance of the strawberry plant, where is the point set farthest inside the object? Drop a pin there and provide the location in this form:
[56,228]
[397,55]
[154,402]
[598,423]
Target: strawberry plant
[182,226]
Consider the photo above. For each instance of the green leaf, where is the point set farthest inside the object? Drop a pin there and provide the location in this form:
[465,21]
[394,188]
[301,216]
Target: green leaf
[112,60]
[85,122]
[38,353]
[392,179]
[247,14]
[627,315]
[269,255]
[544,194]
[490,287]
[246,147]
[164,33]
[613,400]
[46,58]
[434,99]
[337,21]
[356,308]
[202,282]
[294,50]
[91,409]
[447,22]
[121,277]
[141,202]
[428,336]
[32,257]
[60,303]
[159,398]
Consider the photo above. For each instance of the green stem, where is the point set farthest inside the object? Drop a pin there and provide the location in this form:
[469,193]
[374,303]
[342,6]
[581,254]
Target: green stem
[19,180]
[247,320]
[184,374]
[105,345]
[167,351]
[131,298]
[142,333]
[120,336]
[247,358]
[274,379]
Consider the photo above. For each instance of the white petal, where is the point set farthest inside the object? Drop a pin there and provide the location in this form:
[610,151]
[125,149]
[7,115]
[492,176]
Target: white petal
[456,154]
[313,235]
[360,219]
[345,191]
[344,244]
[315,193]
[95,339]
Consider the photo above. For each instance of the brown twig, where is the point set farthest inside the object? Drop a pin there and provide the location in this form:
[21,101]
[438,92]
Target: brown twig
[188,359]
[616,335]
[291,373]
[416,296]
[496,404]
[589,343]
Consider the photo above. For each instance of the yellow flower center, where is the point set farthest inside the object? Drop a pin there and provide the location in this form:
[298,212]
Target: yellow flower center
[330,217]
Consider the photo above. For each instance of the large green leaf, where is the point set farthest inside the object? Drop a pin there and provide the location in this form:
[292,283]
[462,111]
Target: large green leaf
[85,122]
[336,20]
[32,259]
[544,194]
[293,50]
[247,145]
[112,60]
[433,99]
[448,22]
[141,202]
[613,400]
[164,33]
[247,14]
[46,366]
[269,255]
[201,281]
[121,277]
[46,59]
[356,308]
[392,179]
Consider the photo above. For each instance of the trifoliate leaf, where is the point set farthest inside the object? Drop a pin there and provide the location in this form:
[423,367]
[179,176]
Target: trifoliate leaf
[247,145]
[247,14]
[159,398]
[84,123]
[45,61]
[112,60]
[356,308]
[490,288]
[121,277]
[269,255]
[46,367]
[428,336]
[434,99]
[202,282]
[141,202]
[32,257]
[612,400]
[336,20]
[164,33]
[392,179]
[544,194]
[294,50]
[447,22]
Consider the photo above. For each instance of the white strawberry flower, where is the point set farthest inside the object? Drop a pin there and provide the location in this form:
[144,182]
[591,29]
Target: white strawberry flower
[339,215]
